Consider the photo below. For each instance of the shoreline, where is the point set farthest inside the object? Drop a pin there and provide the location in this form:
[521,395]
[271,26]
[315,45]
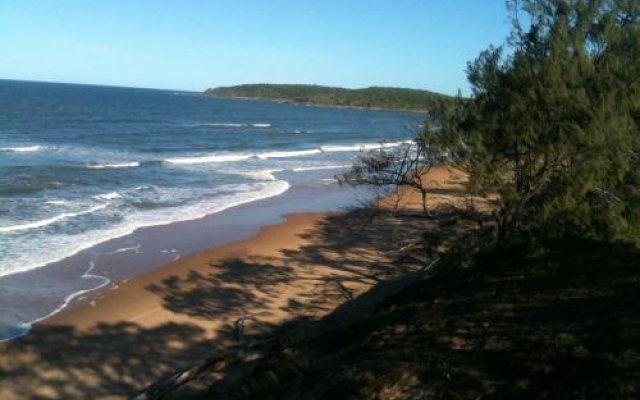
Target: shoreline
[113,299]
[87,342]
[81,278]
[166,319]
[310,104]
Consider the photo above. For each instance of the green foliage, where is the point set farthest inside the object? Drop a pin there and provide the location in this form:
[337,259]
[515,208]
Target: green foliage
[553,124]
[378,97]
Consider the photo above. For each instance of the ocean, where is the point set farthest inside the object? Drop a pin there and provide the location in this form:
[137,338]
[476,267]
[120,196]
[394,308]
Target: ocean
[82,166]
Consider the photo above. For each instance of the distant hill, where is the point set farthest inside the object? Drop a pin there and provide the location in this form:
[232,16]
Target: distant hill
[372,97]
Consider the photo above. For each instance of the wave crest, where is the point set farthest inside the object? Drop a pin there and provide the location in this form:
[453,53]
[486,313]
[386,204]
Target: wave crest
[48,221]
[22,149]
[132,164]
[107,196]
[286,154]
[233,125]
[209,159]
[363,146]
[230,157]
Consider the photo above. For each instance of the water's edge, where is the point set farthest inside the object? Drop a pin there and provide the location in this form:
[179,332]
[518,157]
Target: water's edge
[82,277]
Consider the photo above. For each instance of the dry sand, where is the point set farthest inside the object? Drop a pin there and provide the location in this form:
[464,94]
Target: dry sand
[141,330]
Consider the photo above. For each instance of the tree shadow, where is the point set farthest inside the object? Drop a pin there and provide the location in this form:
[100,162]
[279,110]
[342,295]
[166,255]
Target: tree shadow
[348,264]
[343,256]
[564,324]
[106,361]
[203,296]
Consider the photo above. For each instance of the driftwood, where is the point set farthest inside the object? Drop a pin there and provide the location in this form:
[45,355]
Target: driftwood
[240,353]
[162,388]
[232,356]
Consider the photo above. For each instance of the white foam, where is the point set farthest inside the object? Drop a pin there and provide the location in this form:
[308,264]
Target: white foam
[225,125]
[107,196]
[136,249]
[230,157]
[333,148]
[320,167]
[63,246]
[55,202]
[233,125]
[132,164]
[209,159]
[363,146]
[22,149]
[49,221]
[285,154]
[67,300]
[263,175]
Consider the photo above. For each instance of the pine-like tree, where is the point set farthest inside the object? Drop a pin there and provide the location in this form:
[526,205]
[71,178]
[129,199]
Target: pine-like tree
[552,125]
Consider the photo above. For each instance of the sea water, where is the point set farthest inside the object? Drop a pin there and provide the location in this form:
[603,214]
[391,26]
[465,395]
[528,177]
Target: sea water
[81,165]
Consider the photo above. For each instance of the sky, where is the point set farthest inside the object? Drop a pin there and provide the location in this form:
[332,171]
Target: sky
[196,44]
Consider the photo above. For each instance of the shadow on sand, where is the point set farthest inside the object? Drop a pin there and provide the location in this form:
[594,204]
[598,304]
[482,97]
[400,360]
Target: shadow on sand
[563,325]
[346,255]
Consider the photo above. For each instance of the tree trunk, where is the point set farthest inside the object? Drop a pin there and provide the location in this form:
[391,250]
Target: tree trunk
[423,194]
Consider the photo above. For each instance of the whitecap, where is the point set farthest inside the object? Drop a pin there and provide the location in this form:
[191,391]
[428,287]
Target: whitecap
[107,196]
[22,149]
[132,164]
[49,221]
[232,125]
[363,146]
[55,202]
[208,159]
[224,125]
[285,154]
[263,175]
[320,167]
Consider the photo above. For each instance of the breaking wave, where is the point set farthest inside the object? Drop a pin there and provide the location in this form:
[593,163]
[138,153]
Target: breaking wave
[49,221]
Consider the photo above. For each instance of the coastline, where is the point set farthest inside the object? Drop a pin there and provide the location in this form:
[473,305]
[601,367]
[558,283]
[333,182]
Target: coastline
[76,281]
[163,320]
[170,317]
[311,104]
[101,331]
[116,304]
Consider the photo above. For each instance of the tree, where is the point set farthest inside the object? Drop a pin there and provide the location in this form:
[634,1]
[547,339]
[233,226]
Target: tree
[552,125]
[403,166]
[407,166]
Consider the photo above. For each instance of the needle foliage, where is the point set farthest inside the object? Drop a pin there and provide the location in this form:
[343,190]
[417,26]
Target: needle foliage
[552,124]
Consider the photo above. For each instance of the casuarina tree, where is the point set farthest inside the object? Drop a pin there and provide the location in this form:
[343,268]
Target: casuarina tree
[552,124]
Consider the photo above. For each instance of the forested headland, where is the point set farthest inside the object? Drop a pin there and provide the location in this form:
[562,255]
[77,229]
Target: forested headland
[371,97]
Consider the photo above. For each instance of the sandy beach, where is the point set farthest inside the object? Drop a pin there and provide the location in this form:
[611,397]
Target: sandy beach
[142,329]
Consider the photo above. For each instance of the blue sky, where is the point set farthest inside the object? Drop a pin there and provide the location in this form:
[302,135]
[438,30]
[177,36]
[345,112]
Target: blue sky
[193,45]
